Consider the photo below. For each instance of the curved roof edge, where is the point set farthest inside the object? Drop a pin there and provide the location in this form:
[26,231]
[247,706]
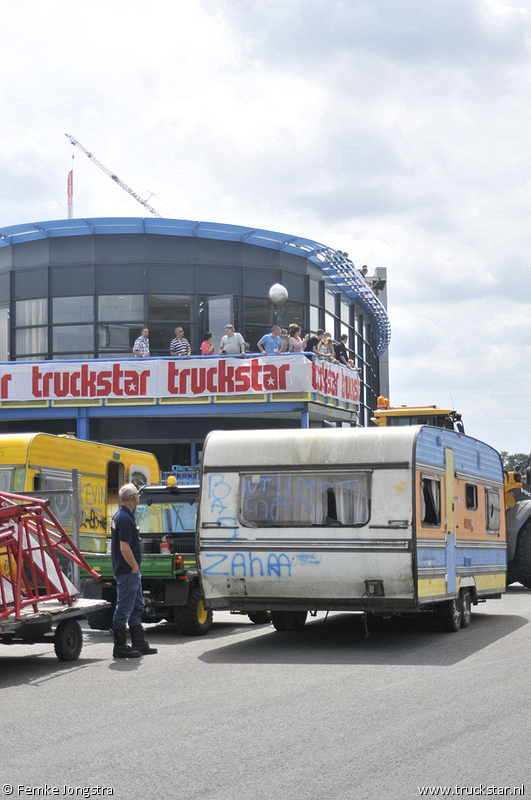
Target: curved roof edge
[338,269]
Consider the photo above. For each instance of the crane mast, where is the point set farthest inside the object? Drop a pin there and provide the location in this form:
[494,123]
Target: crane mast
[114,177]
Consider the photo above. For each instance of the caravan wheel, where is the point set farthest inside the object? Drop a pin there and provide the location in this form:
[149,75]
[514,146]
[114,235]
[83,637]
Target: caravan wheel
[450,615]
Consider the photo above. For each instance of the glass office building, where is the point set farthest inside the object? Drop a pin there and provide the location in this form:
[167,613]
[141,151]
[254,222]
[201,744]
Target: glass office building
[83,289]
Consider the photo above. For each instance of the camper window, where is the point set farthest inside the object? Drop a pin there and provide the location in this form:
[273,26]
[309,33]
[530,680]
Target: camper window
[492,500]
[305,499]
[471,492]
[5,480]
[430,501]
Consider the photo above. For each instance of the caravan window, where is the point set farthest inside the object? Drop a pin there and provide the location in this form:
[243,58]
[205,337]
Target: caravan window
[296,499]
[492,501]
[471,495]
[430,499]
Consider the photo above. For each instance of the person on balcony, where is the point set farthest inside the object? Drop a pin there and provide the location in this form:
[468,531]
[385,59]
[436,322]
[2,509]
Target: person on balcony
[207,348]
[295,343]
[180,346]
[141,345]
[232,343]
[271,344]
[341,350]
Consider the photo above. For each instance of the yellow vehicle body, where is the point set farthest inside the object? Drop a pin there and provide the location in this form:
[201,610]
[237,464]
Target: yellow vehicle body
[389,416]
[41,462]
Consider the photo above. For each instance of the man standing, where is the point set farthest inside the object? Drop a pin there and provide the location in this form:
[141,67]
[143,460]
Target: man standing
[340,349]
[180,346]
[126,549]
[271,343]
[232,343]
[141,345]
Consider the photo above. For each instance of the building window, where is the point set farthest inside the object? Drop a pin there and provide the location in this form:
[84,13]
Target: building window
[121,308]
[115,341]
[293,314]
[4,333]
[315,292]
[258,311]
[330,301]
[167,307]
[330,325]
[32,341]
[314,319]
[73,309]
[73,339]
[31,312]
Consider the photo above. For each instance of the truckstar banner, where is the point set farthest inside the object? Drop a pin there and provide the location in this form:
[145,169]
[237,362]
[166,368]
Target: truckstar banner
[179,377]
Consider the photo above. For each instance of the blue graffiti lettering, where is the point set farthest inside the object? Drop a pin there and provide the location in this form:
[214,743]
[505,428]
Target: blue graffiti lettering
[249,564]
[238,562]
[220,559]
[276,562]
[219,490]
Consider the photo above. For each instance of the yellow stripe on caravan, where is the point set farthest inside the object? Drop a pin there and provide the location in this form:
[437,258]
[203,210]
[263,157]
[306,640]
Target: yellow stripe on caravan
[432,587]
[496,581]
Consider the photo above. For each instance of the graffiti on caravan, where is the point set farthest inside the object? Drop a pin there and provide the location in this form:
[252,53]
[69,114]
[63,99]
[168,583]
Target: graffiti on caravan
[248,564]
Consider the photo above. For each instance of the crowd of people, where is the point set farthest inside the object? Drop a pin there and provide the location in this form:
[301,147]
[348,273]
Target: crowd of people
[232,343]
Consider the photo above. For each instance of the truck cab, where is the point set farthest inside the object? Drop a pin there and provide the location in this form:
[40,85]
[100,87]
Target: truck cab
[389,416]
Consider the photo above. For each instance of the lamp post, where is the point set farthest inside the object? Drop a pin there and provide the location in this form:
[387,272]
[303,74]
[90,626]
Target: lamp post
[278,295]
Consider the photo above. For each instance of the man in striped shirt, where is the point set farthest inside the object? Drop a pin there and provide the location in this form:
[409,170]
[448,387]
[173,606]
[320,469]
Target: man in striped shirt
[141,345]
[180,346]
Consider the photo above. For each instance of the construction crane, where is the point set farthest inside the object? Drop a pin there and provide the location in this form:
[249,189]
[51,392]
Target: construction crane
[115,178]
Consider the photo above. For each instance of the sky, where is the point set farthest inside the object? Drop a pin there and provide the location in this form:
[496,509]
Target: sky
[395,130]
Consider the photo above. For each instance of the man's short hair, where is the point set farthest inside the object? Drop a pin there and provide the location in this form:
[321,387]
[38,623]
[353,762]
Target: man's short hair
[179,330]
[126,492]
[230,327]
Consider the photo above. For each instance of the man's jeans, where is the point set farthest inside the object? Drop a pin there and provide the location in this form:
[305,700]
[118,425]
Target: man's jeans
[130,602]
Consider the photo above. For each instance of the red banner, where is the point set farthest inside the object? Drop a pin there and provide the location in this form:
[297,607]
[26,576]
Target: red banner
[179,377]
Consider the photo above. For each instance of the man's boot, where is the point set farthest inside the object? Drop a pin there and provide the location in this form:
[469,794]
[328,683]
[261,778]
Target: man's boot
[121,648]
[140,642]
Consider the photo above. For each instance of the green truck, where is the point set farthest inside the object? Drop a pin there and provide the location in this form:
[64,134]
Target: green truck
[166,516]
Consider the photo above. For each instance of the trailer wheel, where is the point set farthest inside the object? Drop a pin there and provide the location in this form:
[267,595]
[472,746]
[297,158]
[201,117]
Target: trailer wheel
[521,568]
[450,615]
[260,617]
[68,640]
[465,607]
[193,619]
[300,618]
[283,620]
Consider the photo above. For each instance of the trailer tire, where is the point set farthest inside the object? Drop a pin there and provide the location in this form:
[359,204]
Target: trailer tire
[260,617]
[68,640]
[283,620]
[521,566]
[465,607]
[300,618]
[450,615]
[193,619]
